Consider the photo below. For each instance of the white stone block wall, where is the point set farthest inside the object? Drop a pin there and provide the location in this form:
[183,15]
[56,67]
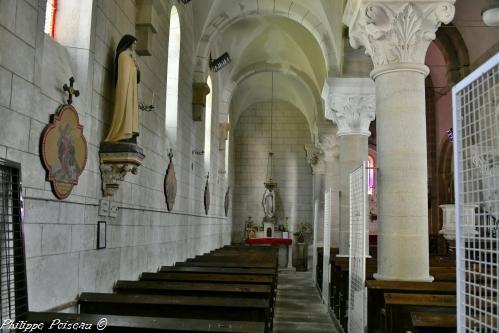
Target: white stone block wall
[290,133]
[60,235]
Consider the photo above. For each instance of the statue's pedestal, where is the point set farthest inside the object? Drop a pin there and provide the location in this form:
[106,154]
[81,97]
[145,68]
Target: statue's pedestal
[116,160]
[448,230]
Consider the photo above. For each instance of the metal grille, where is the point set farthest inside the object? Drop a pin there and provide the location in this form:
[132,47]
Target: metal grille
[14,301]
[476,160]
[327,246]
[357,308]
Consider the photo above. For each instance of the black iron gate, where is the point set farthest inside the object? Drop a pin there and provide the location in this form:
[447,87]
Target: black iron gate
[14,295]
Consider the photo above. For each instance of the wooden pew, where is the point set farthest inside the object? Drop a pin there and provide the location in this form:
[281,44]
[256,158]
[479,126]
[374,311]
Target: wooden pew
[319,268]
[432,322]
[187,307]
[218,270]
[228,264]
[444,271]
[399,306]
[199,289]
[128,324]
[377,288]
[232,284]
[208,277]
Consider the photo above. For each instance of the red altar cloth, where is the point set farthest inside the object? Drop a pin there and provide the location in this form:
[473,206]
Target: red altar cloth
[269,241]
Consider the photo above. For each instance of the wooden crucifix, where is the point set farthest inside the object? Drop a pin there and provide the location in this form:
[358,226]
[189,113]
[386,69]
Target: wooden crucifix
[71,90]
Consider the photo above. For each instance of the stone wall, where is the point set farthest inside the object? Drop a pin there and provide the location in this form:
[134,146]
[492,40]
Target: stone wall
[290,134]
[60,235]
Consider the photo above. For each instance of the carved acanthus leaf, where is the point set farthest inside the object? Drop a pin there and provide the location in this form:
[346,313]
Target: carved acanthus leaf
[353,114]
[394,32]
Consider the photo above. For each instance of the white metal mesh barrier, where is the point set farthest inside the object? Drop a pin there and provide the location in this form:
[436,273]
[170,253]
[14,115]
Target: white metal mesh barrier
[357,297]
[327,246]
[476,160]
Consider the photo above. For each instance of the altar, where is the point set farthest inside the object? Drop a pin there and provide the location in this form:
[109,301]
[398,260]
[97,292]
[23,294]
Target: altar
[281,242]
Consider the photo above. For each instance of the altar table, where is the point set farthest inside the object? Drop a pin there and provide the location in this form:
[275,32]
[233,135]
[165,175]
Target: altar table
[273,241]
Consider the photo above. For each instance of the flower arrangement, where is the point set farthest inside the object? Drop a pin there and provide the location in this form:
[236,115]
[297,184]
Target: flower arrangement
[303,228]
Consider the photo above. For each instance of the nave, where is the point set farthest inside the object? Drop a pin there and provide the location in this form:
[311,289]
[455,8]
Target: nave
[299,307]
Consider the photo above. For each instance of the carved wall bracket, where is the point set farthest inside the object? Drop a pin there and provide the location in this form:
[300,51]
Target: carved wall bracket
[116,163]
[315,157]
[199,92]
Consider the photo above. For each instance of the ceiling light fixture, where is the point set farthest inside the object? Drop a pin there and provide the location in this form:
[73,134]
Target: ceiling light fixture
[220,62]
[271,184]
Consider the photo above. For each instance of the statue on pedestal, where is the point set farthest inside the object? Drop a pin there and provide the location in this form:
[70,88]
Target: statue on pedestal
[268,204]
[125,120]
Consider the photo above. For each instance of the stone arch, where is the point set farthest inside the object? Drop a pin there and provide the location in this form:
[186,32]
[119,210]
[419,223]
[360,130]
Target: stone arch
[309,21]
[451,44]
[289,70]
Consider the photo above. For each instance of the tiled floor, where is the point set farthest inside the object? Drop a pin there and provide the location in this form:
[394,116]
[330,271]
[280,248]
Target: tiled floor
[299,307]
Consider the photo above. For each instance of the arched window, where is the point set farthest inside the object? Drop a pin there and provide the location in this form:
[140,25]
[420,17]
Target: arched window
[370,175]
[207,126]
[50,12]
[172,76]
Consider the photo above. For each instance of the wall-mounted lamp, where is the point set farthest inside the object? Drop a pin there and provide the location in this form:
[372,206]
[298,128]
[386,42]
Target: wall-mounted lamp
[148,108]
[220,62]
[144,107]
[490,16]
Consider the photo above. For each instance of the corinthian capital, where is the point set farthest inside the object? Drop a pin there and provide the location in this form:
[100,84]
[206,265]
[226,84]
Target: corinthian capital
[350,103]
[315,157]
[396,32]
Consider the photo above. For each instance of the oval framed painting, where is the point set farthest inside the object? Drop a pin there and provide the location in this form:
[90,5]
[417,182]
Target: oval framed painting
[170,185]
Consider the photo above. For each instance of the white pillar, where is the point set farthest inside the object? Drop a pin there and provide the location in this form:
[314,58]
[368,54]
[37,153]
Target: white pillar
[351,105]
[396,34]
[315,157]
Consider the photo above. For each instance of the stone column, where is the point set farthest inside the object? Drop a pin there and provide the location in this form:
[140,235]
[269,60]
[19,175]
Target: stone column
[351,105]
[396,35]
[315,157]
[328,144]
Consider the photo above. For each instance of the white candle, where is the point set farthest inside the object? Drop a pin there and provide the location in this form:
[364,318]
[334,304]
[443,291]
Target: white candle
[152,100]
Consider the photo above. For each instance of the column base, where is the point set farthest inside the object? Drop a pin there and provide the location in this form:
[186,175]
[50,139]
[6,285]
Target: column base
[378,276]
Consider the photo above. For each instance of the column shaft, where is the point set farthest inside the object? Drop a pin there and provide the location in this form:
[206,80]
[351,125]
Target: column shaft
[402,178]
[353,150]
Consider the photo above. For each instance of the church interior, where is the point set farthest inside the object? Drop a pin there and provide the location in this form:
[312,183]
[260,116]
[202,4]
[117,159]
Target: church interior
[249,165]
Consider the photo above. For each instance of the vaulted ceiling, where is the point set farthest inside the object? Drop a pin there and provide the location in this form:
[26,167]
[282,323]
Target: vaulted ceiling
[299,41]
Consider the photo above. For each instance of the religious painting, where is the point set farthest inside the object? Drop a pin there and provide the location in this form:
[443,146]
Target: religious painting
[207,196]
[170,186]
[227,201]
[64,150]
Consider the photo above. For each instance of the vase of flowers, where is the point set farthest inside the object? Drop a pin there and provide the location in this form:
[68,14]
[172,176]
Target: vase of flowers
[303,230]
[301,248]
